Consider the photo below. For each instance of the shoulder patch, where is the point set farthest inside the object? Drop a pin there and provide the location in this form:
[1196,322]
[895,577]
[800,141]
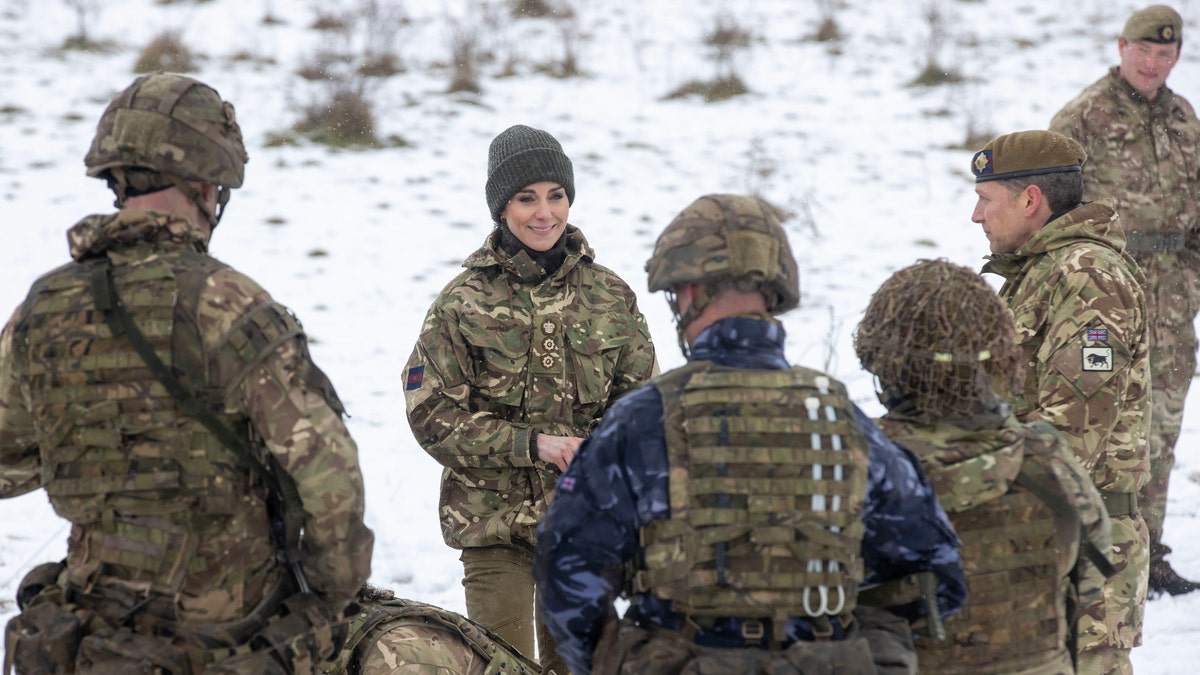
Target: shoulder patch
[416,375]
[1098,359]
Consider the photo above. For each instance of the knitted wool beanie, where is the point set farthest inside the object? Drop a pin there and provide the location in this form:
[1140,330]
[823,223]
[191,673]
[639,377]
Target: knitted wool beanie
[522,156]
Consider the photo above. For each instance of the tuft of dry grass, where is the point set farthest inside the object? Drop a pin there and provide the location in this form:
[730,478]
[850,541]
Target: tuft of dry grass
[532,9]
[166,52]
[712,91]
[344,119]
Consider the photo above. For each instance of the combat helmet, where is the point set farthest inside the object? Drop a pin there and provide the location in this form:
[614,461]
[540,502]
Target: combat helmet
[725,240]
[941,343]
[164,130]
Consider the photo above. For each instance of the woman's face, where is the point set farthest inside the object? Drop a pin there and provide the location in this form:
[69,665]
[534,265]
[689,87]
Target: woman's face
[537,215]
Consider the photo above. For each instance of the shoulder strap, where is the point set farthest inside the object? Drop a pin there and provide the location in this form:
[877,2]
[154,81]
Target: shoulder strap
[277,481]
[1059,504]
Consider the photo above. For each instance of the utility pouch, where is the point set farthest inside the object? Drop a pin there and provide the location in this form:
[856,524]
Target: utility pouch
[120,651]
[297,640]
[42,639]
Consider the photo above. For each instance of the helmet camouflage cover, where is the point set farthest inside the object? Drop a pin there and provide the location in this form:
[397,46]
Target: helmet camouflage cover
[164,125]
[940,340]
[728,239]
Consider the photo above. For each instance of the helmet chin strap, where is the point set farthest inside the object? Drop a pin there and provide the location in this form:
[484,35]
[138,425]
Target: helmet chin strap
[700,299]
[196,196]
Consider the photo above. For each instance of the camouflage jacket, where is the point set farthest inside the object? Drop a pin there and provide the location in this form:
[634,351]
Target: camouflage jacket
[1080,315]
[243,355]
[621,480]
[506,351]
[1005,531]
[1145,156]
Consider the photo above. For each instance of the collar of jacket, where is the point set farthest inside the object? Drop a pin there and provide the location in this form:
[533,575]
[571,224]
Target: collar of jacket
[98,234]
[1163,102]
[742,342]
[521,266]
[1096,222]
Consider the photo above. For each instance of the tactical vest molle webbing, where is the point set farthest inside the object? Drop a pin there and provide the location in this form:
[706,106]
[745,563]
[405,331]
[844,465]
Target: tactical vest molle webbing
[138,479]
[1017,552]
[768,477]
[376,618]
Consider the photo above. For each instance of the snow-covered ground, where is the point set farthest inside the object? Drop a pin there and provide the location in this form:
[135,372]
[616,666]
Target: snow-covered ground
[359,242]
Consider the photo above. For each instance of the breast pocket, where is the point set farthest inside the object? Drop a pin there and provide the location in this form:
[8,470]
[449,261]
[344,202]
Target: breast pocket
[595,347]
[500,359]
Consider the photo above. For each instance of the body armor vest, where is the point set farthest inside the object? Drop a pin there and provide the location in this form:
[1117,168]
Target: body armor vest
[768,478]
[1017,553]
[141,482]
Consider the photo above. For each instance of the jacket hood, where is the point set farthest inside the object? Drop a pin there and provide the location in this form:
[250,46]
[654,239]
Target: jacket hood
[98,234]
[967,467]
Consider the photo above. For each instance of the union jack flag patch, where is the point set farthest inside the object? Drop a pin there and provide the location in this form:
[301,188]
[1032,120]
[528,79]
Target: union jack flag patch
[1098,334]
[566,484]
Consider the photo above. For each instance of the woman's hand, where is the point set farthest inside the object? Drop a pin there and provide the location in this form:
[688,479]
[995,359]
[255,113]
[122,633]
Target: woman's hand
[557,450]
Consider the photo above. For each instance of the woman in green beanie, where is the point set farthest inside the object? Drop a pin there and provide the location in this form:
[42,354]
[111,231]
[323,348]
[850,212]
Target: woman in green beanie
[518,358]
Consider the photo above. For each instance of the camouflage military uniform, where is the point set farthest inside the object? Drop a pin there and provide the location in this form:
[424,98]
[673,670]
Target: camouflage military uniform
[1080,317]
[1020,555]
[170,531]
[623,480]
[507,352]
[1145,156]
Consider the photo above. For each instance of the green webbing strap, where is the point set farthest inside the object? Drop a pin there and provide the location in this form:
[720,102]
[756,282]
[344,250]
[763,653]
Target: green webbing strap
[1059,504]
[280,484]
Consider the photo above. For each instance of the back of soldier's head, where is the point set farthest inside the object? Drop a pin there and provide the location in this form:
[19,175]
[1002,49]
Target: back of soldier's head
[165,130]
[725,241]
[940,341]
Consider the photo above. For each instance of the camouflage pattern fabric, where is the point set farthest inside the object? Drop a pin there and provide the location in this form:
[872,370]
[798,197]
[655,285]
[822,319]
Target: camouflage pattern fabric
[1009,627]
[1077,300]
[393,635]
[1145,156]
[505,351]
[241,352]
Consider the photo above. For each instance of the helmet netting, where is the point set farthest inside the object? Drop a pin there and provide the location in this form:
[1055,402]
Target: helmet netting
[940,341]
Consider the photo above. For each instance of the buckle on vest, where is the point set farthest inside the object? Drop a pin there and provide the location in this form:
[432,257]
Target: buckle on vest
[822,627]
[753,630]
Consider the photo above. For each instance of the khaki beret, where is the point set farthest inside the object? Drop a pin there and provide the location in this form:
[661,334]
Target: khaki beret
[1157,23]
[1027,153]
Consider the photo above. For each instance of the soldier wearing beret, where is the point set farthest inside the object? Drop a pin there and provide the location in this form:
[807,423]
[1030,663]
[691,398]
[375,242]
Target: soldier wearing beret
[1077,300]
[1142,139]
[518,358]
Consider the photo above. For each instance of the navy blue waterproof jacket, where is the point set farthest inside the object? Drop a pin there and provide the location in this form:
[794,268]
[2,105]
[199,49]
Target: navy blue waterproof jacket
[617,483]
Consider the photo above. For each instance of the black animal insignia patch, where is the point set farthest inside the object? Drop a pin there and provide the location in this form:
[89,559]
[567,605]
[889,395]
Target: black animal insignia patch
[1098,359]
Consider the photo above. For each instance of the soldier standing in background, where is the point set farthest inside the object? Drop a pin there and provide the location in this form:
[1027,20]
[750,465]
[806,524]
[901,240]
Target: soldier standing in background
[172,412]
[736,500]
[943,349]
[1143,144]
[517,360]
[1076,298]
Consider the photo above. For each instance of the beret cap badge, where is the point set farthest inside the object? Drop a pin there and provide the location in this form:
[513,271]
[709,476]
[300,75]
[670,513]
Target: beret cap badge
[982,163]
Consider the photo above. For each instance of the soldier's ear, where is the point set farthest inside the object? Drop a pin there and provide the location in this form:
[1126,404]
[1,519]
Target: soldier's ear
[1031,200]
